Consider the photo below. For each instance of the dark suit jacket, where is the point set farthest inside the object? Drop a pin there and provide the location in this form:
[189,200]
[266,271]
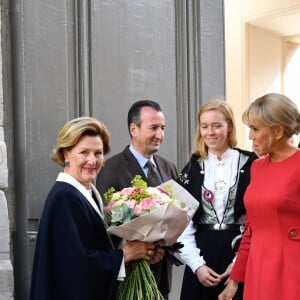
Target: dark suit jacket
[118,172]
[120,169]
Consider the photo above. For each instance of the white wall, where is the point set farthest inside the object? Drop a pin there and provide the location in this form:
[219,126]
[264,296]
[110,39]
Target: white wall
[264,62]
[254,56]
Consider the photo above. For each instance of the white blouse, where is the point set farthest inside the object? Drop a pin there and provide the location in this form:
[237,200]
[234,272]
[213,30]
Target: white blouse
[219,176]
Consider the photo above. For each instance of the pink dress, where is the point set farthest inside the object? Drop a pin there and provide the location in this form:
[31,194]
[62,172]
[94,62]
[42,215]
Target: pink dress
[269,255]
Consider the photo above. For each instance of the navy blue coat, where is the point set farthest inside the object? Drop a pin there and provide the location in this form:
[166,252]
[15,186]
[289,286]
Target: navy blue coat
[74,259]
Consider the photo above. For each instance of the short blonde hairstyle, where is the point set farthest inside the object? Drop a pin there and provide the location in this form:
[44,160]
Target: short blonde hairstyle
[223,107]
[71,133]
[274,110]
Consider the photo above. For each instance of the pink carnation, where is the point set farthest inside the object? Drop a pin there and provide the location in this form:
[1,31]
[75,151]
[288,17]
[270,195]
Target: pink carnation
[148,203]
[138,209]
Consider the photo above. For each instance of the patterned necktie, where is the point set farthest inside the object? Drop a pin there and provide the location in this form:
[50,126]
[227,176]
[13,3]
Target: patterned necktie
[152,176]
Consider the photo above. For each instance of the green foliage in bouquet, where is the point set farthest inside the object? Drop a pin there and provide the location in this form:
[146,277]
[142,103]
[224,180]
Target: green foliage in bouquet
[139,193]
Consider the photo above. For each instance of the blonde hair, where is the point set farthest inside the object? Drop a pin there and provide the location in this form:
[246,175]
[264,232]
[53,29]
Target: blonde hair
[274,110]
[223,107]
[71,133]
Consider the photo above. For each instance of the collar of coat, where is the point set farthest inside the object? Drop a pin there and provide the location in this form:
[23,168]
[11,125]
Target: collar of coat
[64,177]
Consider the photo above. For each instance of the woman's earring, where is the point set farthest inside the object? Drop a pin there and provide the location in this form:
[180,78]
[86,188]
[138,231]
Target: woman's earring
[66,163]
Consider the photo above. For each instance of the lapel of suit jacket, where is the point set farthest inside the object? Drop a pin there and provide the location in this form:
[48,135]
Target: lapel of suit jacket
[132,163]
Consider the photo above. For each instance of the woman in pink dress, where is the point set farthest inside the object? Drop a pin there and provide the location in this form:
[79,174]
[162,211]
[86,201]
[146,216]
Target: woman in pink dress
[269,254]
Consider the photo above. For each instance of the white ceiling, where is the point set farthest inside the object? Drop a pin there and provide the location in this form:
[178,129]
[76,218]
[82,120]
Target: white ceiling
[284,25]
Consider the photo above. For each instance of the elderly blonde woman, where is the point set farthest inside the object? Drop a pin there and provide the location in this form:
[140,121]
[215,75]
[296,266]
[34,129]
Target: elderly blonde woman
[74,257]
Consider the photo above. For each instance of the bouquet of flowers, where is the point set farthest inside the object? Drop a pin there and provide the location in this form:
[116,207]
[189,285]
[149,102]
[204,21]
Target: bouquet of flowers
[150,214]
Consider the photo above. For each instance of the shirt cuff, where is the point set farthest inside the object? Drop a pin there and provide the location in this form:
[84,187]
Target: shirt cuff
[122,271]
[197,264]
[190,253]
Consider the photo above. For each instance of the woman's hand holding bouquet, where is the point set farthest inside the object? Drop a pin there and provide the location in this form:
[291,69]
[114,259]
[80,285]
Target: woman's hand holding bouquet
[142,250]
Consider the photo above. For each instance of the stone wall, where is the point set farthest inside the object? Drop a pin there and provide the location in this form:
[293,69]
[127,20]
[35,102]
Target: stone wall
[6,269]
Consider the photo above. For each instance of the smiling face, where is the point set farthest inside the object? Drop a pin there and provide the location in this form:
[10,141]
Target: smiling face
[214,131]
[149,134]
[85,159]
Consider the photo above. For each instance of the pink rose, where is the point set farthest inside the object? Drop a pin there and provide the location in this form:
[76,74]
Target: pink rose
[108,208]
[127,191]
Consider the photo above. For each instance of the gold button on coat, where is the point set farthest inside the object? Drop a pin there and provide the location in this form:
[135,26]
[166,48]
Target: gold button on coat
[293,233]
